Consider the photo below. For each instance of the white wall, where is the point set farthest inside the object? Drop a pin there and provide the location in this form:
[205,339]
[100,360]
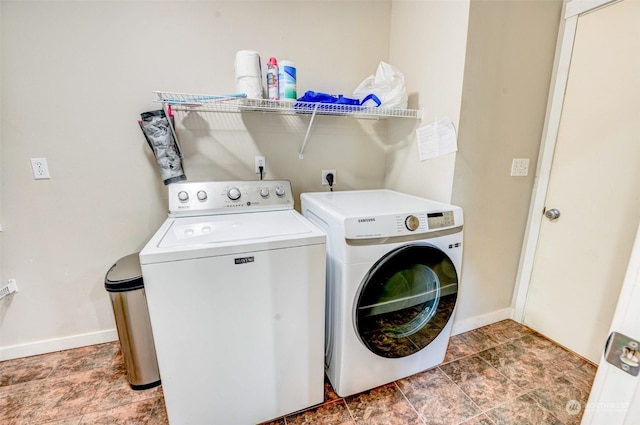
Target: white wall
[76,76]
[428,42]
[495,95]
[509,60]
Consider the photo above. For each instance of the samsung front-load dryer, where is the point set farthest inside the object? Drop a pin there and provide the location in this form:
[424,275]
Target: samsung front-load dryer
[393,268]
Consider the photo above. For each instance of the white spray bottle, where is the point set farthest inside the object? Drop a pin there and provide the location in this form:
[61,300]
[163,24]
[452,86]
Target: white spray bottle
[272,79]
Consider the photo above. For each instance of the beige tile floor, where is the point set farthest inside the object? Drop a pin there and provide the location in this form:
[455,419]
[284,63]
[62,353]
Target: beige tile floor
[499,374]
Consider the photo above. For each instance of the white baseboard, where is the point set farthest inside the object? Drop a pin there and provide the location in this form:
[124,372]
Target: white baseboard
[475,322]
[57,344]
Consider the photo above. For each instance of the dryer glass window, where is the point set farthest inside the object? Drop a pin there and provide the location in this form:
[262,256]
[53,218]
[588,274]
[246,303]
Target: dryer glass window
[406,300]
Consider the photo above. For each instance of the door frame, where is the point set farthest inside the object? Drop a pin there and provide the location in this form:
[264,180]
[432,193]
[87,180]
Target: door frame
[572,10]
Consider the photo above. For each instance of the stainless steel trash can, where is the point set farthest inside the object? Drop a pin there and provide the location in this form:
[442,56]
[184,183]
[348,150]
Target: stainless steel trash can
[128,299]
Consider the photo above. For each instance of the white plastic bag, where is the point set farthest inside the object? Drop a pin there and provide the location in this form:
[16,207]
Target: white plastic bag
[387,85]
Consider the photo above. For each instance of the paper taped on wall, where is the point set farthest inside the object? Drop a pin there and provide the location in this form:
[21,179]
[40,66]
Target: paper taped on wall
[436,139]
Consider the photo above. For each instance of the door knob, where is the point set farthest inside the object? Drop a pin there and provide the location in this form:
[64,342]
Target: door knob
[622,352]
[552,214]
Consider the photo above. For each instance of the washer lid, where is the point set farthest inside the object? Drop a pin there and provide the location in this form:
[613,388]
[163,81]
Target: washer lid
[182,238]
[231,228]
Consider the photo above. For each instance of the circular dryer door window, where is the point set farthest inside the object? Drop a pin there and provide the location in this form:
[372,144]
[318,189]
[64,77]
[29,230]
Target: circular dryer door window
[405,300]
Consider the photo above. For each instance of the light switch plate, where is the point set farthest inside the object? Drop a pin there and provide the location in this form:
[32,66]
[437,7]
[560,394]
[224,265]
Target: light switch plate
[520,167]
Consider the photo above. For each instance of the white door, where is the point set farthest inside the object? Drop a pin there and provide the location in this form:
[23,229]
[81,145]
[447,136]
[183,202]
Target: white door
[581,256]
[615,396]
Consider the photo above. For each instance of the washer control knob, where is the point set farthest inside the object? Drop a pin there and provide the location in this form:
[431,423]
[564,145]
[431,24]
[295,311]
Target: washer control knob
[412,222]
[202,195]
[234,194]
[183,196]
[264,192]
[280,190]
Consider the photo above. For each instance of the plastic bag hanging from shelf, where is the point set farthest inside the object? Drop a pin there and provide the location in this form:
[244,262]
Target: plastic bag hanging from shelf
[158,131]
[387,85]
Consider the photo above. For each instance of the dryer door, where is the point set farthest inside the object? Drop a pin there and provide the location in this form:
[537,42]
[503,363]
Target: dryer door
[405,300]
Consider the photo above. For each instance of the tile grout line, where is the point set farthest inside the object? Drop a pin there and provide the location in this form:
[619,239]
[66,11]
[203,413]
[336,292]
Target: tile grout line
[316,406]
[476,416]
[151,412]
[498,344]
[484,411]
[502,374]
[422,420]
[544,408]
[120,405]
[461,390]
[353,419]
[477,353]
[525,391]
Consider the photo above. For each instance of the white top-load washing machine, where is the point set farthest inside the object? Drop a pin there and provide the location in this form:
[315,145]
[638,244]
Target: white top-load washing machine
[235,283]
[393,268]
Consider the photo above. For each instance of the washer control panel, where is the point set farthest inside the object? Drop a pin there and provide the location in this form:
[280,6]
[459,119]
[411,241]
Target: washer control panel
[228,197]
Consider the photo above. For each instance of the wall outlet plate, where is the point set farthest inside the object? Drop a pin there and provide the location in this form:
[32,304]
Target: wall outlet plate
[520,167]
[40,168]
[9,288]
[325,182]
[260,162]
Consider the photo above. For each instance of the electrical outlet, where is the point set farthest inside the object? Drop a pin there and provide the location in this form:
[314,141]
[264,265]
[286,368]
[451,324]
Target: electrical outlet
[40,168]
[520,167]
[260,162]
[9,288]
[325,182]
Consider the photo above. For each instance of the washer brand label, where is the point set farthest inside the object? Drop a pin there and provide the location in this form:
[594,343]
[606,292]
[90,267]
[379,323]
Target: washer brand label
[244,260]
[366,220]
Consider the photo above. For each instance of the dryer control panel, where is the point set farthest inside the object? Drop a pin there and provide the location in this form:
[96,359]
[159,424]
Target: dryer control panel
[437,220]
[188,199]
[399,224]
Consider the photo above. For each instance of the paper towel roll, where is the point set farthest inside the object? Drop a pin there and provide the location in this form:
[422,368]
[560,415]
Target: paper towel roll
[247,64]
[248,73]
[251,86]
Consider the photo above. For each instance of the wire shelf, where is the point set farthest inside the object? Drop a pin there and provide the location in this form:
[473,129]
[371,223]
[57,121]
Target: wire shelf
[238,103]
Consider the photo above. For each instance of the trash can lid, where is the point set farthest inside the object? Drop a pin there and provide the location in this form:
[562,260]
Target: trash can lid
[124,275]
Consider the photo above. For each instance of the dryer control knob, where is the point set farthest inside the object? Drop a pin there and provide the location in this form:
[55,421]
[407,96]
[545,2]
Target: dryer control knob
[412,222]
[264,192]
[280,191]
[234,193]
[183,196]
[202,195]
